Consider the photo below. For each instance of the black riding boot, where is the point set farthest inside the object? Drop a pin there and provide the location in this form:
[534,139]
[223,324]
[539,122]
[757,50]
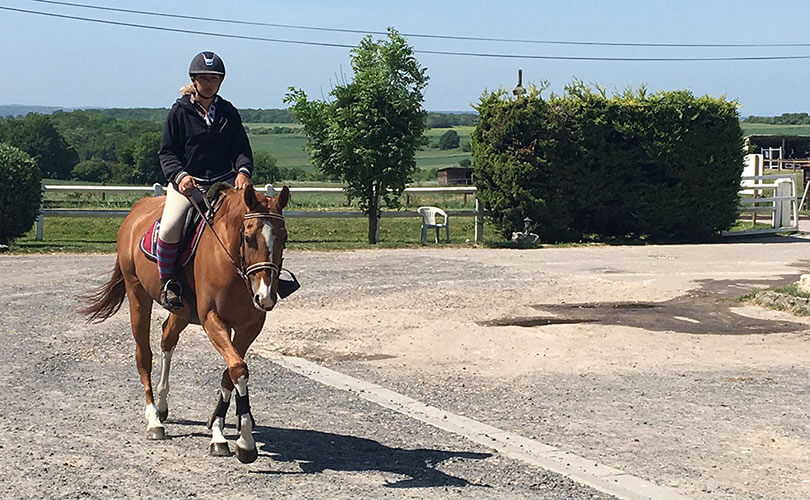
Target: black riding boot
[171,294]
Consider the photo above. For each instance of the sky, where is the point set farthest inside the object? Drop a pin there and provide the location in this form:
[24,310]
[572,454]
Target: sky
[61,62]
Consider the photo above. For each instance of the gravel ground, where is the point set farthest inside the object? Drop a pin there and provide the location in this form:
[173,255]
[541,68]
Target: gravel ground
[73,425]
[639,360]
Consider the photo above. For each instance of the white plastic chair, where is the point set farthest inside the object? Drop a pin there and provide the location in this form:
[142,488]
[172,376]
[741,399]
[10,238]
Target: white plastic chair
[429,222]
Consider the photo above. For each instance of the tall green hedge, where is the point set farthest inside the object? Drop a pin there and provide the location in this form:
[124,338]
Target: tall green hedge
[587,165]
[20,192]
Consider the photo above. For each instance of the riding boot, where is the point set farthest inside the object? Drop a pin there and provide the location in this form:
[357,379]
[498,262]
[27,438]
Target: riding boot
[171,294]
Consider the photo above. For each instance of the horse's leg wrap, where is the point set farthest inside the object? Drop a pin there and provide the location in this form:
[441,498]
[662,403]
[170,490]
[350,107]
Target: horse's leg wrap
[245,446]
[243,407]
[221,410]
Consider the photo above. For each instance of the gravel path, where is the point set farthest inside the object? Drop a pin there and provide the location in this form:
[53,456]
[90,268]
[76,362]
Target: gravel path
[639,359]
[72,426]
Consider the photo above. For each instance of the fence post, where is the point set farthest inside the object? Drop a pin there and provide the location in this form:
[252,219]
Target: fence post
[379,214]
[158,189]
[269,190]
[782,208]
[479,222]
[41,216]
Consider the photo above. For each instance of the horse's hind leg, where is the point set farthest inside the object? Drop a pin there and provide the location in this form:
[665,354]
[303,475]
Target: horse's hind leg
[172,327]
[140,315]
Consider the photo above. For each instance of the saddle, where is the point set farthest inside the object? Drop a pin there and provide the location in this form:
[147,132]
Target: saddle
[193,227]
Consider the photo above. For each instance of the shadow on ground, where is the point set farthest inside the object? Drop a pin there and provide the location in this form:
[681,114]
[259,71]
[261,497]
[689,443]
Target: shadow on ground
[317,451]
[707,310]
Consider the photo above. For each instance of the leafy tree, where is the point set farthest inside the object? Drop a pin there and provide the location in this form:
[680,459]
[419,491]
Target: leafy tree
[265,168]
[36,135]
[20,192]
[449,140]
[368,135]
[94,170]
[145,155]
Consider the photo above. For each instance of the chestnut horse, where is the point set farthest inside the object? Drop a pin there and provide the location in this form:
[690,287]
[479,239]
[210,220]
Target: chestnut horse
[230,285]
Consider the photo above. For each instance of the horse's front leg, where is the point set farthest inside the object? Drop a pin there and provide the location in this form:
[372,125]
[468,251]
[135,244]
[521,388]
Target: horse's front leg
[235,377]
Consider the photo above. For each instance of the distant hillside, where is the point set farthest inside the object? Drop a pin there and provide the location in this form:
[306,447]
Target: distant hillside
[23,109]
[435,119]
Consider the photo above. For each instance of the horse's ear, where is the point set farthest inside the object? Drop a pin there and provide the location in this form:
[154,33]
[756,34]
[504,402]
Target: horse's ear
[250,197]
[283,197]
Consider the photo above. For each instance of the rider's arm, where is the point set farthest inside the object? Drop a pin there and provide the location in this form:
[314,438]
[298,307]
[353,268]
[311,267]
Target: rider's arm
[171,149]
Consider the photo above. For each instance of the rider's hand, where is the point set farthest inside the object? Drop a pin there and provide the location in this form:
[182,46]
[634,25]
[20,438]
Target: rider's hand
[186,185]
[242,181]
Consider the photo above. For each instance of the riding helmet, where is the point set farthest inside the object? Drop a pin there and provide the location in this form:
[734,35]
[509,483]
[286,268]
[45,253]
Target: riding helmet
[206,62]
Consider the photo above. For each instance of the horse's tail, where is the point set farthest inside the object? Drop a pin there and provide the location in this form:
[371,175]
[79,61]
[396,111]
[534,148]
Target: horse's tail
[106,299]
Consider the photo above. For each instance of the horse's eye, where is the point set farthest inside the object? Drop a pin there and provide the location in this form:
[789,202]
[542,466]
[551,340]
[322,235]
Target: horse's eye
[251,241]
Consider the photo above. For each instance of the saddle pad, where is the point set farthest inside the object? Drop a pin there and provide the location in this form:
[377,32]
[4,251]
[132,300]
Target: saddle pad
[149,243]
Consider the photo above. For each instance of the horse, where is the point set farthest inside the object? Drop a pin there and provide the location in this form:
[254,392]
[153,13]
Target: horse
[230,285]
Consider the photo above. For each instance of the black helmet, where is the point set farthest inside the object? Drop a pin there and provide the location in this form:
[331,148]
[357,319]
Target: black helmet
[206,62]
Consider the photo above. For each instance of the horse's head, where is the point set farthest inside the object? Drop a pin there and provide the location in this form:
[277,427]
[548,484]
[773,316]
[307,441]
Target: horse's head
[264,234]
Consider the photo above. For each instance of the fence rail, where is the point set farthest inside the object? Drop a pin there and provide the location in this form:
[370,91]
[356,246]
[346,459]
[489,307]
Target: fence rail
[158,189]
[782,205]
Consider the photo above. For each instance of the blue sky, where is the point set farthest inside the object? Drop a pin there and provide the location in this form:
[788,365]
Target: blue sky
[59,62]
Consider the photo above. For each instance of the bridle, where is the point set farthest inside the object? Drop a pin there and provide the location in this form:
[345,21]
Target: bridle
[242,270]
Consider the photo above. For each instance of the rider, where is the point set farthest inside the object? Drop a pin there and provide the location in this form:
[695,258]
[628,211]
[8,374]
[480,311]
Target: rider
[204,142]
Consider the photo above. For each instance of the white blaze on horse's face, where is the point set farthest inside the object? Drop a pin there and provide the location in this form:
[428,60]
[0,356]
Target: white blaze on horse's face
[264,297]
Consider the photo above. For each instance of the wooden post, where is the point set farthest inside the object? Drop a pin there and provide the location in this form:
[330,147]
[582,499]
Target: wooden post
[479,222]
[41,217]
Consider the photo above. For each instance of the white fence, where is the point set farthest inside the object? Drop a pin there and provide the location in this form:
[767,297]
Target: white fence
[774,195]
[157,190]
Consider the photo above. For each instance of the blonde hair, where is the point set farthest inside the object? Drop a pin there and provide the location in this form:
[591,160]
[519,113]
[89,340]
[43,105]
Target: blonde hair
[188,89]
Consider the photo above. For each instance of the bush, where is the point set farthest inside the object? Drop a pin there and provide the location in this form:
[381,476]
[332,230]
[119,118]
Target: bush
[466,162]
[93,170]
[20,192]
[265,168]
[661,166]
[449,140]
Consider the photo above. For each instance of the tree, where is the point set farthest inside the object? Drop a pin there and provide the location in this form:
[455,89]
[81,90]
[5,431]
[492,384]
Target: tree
[449,140]
[368,135]
[20,192]
[93,170]
[36,135]
[265,168]
[145,156]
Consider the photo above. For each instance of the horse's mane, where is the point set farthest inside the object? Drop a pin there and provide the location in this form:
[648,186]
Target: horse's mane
[215,190]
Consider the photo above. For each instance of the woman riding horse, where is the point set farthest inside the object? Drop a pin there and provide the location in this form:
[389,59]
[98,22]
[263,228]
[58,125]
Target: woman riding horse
[204,142]
[233,279]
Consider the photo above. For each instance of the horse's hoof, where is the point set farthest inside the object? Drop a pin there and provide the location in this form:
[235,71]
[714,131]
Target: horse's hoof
[163,415]
[220,450]
[156,433]
[247,456]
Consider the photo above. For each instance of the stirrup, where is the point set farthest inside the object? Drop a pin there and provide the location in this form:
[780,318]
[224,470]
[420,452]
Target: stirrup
[171,295]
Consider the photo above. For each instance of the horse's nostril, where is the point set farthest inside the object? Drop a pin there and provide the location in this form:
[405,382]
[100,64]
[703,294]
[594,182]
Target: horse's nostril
[257,298]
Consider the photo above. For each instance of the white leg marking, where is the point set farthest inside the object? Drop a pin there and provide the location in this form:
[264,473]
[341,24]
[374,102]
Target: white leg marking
[217,435]
[163,385]
[245,440]
[152,419]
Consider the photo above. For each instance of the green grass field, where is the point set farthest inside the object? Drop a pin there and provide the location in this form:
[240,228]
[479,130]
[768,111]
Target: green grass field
[91,235]
[767,129]
[288,149]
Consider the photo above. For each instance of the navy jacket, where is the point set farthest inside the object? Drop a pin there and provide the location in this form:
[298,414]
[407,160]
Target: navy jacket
[209,154]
